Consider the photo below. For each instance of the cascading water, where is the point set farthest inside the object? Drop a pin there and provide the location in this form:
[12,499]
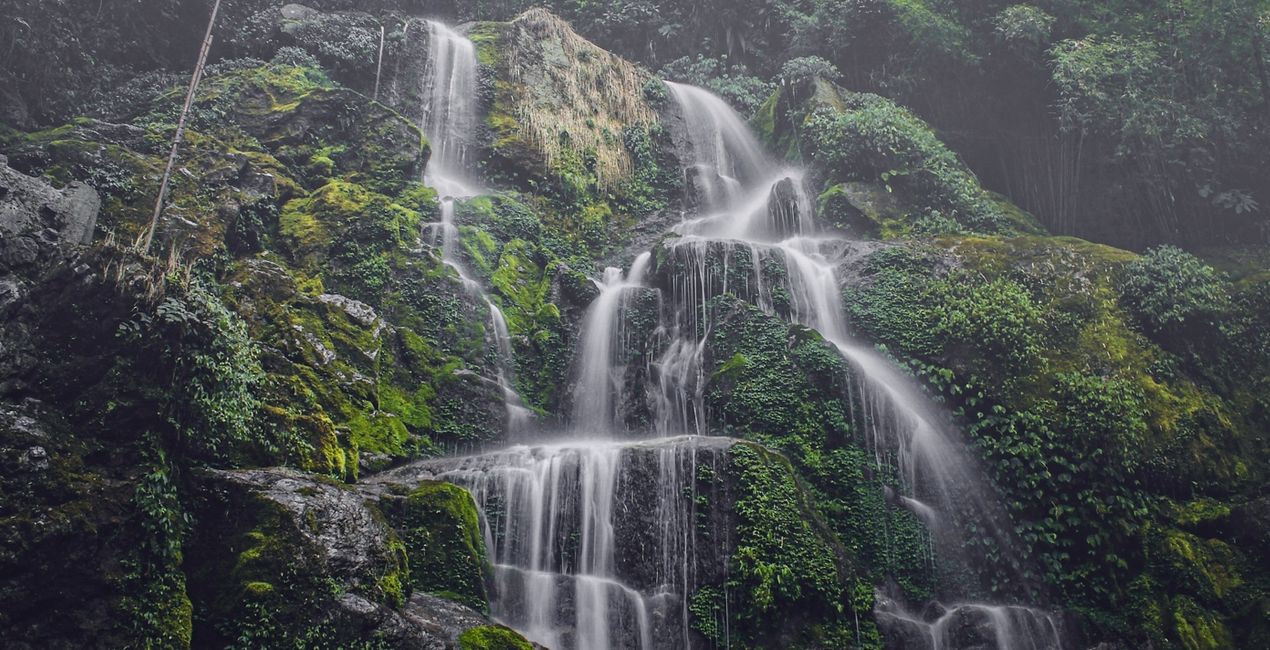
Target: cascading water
[599,382]
[450,115]
[450,111]
[564,575]
[570,570]
[770,220]
[594,541]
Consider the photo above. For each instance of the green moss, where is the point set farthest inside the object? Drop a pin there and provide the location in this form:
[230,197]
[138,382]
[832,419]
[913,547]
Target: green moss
[1203,511]
[1207,568]
[492,637]
[440,529]
[485,35]
[783,560]
[1198,629]
[309,224]
[378,432]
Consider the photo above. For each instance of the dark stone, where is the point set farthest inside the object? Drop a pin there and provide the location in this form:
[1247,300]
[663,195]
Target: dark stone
[323,533]
[860,209]
[64,530]
[783,210]
[29,205]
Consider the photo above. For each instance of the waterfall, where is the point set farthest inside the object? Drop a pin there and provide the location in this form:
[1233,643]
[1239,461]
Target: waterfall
[725,154]
[597,543]
[755,212]
[568,572]
[450,111]
[450,117]
[599,381]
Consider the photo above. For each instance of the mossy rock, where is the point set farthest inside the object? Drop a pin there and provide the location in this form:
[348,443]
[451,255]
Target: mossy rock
[863,210]
[786,559]
[281,555]
[440,528]
[492,638]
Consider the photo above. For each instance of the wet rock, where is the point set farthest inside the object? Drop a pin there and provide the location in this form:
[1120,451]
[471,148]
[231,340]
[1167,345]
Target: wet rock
[19,251]
[783,208]
[672,519]
[36,458]
[31,206]
[298,12]
[861,209]
[266,278]
[63,527]
[356,310]
[698,179]
[318,555]
[1250,526]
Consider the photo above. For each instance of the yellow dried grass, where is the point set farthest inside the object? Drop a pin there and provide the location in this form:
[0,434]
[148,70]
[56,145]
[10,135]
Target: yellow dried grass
[576,96]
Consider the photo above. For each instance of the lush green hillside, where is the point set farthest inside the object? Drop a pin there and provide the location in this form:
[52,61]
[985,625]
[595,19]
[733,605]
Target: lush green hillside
[293,316]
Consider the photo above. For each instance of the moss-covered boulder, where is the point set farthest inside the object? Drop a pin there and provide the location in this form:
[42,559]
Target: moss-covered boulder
[440,528]
[287,559]
[859,138]
[570,122]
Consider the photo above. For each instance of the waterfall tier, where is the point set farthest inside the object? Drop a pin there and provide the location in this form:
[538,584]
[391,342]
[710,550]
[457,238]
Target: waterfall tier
[598,545]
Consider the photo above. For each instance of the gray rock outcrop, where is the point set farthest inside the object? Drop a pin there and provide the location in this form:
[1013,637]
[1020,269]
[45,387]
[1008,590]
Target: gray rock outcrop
[30,207]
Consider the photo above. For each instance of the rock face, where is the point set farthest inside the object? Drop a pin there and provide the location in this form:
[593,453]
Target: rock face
[557,87]
[65,529]
[607,544]
[322,558]
[30,207]
[861,209]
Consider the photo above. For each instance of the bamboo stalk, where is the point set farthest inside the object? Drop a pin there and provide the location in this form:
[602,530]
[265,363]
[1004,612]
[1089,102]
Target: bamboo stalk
[180,129]
[379,66]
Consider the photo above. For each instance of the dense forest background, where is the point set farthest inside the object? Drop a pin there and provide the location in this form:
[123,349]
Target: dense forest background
[1132,123]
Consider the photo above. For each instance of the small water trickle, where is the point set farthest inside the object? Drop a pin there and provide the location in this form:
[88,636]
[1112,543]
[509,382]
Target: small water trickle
[450,116]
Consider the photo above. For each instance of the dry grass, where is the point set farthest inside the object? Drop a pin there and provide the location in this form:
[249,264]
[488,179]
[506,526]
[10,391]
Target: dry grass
[577,96]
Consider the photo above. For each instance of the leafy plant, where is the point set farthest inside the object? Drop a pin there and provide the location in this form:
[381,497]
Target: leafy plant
[1170,290]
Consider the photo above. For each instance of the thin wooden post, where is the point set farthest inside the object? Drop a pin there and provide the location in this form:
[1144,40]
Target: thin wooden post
[180,129]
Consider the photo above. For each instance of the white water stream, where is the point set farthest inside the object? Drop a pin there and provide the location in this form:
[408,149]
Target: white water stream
[563,572]
[450,118]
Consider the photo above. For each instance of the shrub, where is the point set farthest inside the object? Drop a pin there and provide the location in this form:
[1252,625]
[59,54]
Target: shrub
[876,140]
[1170,291]
[733,83]
[295,57]
[806,68]
[1024,27]
[213,367]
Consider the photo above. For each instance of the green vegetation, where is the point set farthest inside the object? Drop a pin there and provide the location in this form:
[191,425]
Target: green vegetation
[298,315]
[1089,428]
[874,140]
[492,638]
[442,536]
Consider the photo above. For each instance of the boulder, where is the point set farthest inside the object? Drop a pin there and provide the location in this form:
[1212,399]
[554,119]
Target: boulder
[861,209]
[30,206]
[319,557]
